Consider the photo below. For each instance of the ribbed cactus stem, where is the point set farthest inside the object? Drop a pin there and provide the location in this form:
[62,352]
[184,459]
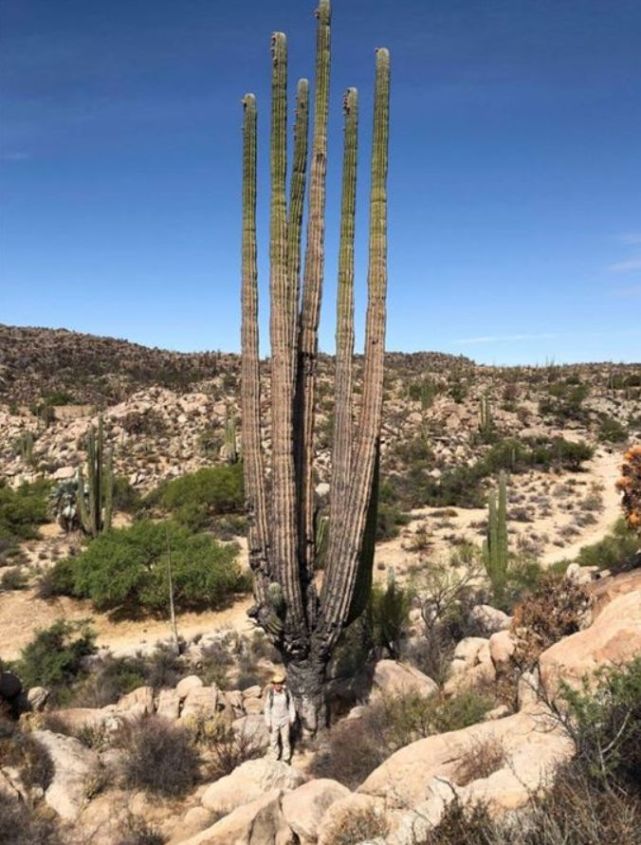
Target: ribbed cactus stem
[284,534]
[339,584]
[253,468]
[296,207]
[342,444]
[311,299]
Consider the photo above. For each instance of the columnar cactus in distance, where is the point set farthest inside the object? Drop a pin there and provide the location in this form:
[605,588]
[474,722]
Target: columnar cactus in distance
[95,496]
[303,622]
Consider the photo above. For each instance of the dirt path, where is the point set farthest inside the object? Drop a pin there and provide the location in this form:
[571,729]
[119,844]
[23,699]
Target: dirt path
[21,613]
[606,469]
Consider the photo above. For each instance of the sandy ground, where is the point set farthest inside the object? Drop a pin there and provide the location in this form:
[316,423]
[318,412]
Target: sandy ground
[21,613]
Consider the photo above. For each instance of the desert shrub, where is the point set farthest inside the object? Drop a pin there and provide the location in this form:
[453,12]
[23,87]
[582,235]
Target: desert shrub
[360,825]
[565,401]
[112,677]
[126,568]
[630,485]
[54,657]
[389,520]
[21,512]
[606,725]
[481,759]
[462,486]
[611,430]
[160,757]
[445,593]
[125,497]
[24,753]
[387,615]
[618,551]
[595,798]
[195,499]
[20,824]
[222,747]
[358,746]
[13,579]
[556,609]
[136,830]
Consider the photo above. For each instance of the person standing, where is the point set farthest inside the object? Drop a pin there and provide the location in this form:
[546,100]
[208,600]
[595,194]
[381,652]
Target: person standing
[280,715]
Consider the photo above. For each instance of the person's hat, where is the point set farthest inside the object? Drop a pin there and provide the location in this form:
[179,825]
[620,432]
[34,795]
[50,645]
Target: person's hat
[279,677]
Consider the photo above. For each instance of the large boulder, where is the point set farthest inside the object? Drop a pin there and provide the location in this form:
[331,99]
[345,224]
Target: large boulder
[137,703]
[253,730]
[393,678]
[168,704]
[200,703]
[75,768]
[532,746]
[489,619]
[305,807]
[614,638]
[247,782]
[259,822]
[340,811]
[471,667]
[187,684]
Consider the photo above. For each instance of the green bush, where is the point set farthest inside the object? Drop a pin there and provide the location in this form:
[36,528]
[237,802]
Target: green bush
[617,551]
[54,657]
[127,568]
[21,512]
[196,499]
[387,616]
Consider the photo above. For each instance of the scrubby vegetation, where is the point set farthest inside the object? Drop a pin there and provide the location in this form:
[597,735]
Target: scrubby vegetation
[596,798]
[54,658]
[21,512]
[358,746]
[160,757]
[195,500]
[128,569]
[616,552]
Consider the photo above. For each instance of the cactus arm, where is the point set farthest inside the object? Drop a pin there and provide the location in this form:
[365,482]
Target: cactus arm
[363,586]
[253,465]
[311,298]
[342,443]
[108,491]
[296,206]
[340,580]
[285,557]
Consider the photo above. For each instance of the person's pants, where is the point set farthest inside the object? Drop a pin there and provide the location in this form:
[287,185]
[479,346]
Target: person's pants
[280,743]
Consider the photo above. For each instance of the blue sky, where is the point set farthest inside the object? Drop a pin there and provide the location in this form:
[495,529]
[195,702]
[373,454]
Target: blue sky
[515,174]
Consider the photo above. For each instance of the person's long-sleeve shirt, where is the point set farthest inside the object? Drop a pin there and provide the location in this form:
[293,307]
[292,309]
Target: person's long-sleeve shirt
[279,708]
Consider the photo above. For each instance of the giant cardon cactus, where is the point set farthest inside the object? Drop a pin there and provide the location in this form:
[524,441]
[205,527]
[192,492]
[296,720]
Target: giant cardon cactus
[304,621]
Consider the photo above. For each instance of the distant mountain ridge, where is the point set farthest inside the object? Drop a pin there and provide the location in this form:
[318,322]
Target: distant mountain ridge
[39,362]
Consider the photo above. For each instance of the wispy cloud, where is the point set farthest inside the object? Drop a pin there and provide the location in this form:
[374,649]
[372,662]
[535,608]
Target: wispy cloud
[631,292]
[630,238]
[14,156]
[630,265]
[503,338]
